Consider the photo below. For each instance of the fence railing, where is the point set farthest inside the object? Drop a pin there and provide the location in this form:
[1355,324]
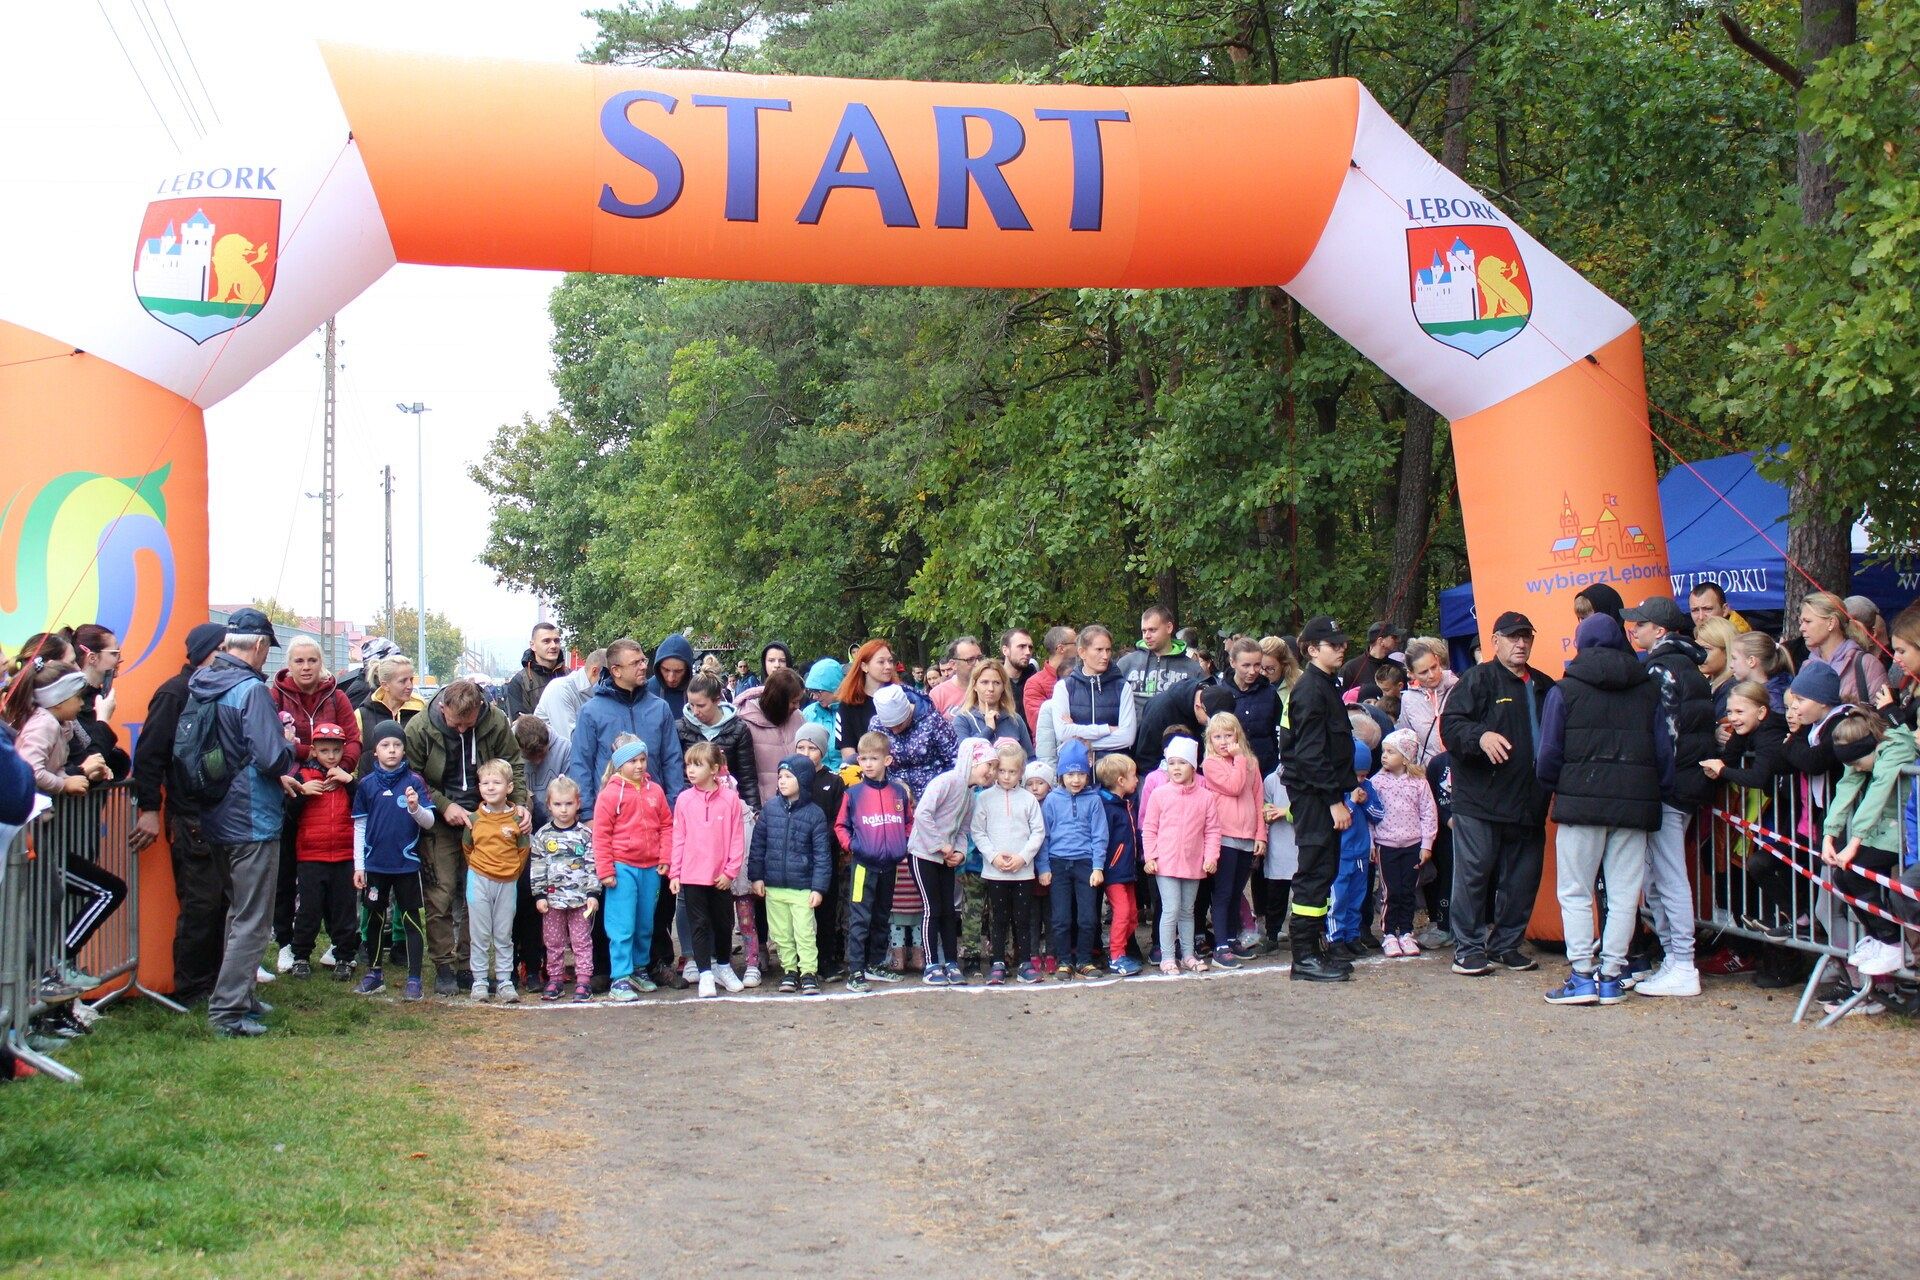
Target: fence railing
[1760,876]
[37,911]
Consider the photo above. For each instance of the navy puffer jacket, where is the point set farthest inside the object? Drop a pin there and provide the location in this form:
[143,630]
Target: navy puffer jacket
[790,848]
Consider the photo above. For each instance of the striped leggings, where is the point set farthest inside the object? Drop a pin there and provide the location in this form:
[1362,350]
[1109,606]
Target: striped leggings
[101,893]
[939,886]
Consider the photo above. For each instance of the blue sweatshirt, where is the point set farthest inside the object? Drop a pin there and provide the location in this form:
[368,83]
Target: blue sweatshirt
[386,835]
[1356,842]
[1076,826]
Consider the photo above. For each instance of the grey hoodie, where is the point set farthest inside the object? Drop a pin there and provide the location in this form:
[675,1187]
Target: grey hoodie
[944,814]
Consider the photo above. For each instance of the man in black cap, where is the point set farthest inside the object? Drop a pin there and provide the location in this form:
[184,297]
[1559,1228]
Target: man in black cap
[1316,757]
[1382,639]
[1492,730]
[199,876]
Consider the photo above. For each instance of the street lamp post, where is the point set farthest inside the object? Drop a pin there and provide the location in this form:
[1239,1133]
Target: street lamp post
[420,479]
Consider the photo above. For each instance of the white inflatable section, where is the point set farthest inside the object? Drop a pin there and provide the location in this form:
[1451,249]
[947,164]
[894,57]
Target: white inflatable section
[1361,279]
[76,223]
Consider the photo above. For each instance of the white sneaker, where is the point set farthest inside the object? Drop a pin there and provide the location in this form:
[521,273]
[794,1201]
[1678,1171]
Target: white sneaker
[1879,959]
[707,989]
[1673,980]
[327,957]
[509,994]
[478,993]
[691,972]
[285,962]
[264,974]
[1860,950]
[751,978]
[727,978]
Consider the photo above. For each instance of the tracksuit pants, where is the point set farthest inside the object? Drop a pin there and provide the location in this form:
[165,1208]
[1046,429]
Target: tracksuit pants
[1582,853]
[791,927]
[563,929]
[1400,870]
[1669,891]
[1506,858]
[869,904]
[939,908]
[1319,862]
[631,902]
[710,917]
[393,897]
[1125,918]
[1349,899]
[491,906]
[327,896]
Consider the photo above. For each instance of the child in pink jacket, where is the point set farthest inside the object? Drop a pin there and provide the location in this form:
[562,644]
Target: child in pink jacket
[709,844]
[1403,838]
[1180,836]
[1232,772]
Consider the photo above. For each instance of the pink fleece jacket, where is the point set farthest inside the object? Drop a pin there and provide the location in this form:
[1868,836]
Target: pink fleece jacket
[1181,831]
[709,835]
[1412,816]
[1235,785]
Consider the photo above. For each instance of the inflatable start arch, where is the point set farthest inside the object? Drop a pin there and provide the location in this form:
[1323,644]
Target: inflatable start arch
[143,307]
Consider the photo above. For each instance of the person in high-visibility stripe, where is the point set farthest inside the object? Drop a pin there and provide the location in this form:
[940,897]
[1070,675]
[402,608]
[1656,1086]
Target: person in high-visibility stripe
[1316,755]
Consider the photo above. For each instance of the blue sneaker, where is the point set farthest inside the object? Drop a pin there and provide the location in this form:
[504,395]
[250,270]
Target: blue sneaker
[370,982]
[935,975]
[414,989]
[1125,966]
[1027,972]
[1223,958]
[1153,956]
[956,977]
[1610,988]
[1579,988]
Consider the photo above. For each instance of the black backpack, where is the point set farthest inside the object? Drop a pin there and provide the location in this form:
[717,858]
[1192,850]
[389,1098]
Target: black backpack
[202,769]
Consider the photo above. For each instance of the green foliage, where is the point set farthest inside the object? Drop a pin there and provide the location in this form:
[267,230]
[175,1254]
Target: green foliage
[1825,357]
[445,641]
[823,463]
[275,611]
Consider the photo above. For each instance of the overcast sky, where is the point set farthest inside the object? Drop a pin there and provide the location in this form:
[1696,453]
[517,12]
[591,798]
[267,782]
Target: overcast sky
[472,345]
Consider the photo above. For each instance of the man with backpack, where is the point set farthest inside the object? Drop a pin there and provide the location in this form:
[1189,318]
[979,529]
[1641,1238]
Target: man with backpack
[230,751]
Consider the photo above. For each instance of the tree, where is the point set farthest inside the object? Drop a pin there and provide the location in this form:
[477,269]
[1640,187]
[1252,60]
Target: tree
[275,611]
[445,641]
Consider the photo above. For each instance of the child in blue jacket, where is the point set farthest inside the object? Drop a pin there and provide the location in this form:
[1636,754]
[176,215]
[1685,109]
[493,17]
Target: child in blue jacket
[1119,779]
[1076,850]
[790,864]
[1356,853]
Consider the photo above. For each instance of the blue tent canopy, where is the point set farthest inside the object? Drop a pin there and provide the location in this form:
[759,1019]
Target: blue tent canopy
[1711,537]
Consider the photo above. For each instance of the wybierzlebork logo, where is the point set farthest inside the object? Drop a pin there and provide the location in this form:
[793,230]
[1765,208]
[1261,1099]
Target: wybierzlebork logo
[1469,288]
[204,263]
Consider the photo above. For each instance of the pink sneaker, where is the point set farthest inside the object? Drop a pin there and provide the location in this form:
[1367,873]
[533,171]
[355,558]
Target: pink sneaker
[1391,945]
[1408,947]
[1170,968]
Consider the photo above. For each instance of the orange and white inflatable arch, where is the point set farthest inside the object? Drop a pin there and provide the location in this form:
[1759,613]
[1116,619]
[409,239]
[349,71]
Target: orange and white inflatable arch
[146,301]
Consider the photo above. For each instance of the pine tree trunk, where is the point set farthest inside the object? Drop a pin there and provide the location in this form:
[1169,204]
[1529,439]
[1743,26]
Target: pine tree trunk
[1819,543]
[1406,588]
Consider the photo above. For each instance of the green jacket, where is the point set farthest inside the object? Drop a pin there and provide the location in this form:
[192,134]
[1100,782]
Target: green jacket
[449,769]
[1866,806]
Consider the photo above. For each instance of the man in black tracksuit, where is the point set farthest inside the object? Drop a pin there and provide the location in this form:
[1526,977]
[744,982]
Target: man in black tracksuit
[1316,755]
[1492,727]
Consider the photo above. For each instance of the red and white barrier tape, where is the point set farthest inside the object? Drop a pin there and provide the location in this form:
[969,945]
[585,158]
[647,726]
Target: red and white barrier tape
[1765,839]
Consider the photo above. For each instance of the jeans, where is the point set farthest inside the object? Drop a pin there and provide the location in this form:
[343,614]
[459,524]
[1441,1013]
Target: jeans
[1506,859]
[1621,855]
[1177,898]
[251,871]
[1669,892]
[630,904]
[1076,910]
[1229,884]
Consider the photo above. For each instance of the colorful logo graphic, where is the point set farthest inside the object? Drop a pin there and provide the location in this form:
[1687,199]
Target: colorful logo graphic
[1469,288]
[90,548]
[205,265]
[1607,538]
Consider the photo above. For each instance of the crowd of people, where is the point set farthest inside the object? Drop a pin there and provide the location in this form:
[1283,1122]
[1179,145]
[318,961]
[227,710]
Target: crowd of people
[1061,810]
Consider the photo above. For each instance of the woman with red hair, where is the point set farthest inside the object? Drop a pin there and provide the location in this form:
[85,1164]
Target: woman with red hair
[869,670]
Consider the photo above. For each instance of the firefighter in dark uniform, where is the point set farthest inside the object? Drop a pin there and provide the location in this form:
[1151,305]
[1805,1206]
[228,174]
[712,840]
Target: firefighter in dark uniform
[1316,757]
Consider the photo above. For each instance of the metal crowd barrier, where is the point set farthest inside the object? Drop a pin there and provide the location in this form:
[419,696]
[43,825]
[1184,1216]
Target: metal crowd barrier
[1741,887]
[36,909]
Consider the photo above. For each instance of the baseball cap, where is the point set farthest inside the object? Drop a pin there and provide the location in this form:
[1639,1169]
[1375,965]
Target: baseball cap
[1661,611]
[1382,628]
[327,731]
[1322,630]
[251,622]
[1512,623]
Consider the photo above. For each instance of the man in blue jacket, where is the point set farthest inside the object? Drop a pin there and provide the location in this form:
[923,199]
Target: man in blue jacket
[244,824]
[624,703]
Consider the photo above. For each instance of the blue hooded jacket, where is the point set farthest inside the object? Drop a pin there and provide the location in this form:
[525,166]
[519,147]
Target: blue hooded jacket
[674,646]
[790,848]
[250,732]
[1356,842]
[1076,823]
[610,711]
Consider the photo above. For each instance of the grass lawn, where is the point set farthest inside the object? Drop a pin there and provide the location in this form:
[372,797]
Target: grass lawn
[331,1147]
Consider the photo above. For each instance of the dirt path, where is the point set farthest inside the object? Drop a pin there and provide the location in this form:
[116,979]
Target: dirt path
[1409,1123]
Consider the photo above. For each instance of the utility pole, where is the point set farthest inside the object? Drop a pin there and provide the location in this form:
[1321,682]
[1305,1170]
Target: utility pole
[327,628]
[386,483]
[419,411]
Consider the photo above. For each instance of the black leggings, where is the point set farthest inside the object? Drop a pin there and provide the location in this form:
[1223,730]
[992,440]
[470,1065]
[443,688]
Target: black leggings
[102,893]
[1278,891]
[939,886]
[1866,890]
[395,892]
[1010,910]
[710,917]
[1400,868]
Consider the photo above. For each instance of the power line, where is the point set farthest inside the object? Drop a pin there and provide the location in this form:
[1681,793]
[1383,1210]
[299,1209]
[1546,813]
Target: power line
[136,74]
[175,81]
[187,49]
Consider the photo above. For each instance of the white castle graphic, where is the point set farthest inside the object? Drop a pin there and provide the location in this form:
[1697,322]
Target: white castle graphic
[1449,290]
[176,265]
